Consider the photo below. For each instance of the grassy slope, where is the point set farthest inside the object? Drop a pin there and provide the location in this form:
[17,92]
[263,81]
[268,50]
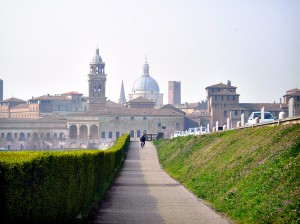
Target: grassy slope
[252,175]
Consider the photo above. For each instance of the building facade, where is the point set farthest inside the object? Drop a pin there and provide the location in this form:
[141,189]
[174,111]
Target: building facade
[224,105]
[221,99]
[292,99]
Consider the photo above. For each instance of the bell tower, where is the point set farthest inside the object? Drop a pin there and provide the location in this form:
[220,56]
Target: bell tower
[97,83]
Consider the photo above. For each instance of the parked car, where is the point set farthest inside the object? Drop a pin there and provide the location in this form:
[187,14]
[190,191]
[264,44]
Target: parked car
[200,130]
[268,117]
[177,134]
[191,131]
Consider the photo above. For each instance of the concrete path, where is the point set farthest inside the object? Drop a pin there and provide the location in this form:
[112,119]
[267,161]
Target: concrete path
[144,193]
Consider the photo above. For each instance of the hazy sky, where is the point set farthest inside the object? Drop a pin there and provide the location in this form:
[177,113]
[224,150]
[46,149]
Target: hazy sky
[46,46]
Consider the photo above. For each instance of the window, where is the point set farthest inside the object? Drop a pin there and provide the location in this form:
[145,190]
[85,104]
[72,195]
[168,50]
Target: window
[145,118]
[103,134]
[132,118]
[138,133]
[55,135]
[159,125]
[131,133]
[117,118]
[110,134]
[117,134]
[177,125]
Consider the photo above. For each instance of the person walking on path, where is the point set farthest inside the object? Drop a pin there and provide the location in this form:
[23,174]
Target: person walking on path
[143,139]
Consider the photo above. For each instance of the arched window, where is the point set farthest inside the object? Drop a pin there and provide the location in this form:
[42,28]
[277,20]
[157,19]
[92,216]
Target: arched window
[99,88]
[131,133]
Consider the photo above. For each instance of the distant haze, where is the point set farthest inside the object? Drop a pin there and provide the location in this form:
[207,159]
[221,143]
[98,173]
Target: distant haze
[46,46]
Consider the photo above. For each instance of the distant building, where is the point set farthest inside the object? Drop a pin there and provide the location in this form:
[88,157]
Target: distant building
[221,99]
[9,104]
[147,87]
[1,89]
[59,103]
[174,93]
[223,103]
[292,99]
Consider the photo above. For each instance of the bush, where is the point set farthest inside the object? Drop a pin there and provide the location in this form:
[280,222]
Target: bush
[55,187]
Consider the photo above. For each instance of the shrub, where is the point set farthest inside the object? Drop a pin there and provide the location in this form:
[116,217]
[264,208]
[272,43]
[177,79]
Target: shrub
[55,187]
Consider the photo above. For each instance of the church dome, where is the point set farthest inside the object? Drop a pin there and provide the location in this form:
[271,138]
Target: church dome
[97,58]
[145,83]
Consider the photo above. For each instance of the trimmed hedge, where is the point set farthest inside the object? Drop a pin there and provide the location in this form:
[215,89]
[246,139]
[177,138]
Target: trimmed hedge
[55,187]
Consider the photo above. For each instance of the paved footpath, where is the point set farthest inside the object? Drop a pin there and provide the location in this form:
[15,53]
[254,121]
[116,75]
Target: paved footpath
[144,193]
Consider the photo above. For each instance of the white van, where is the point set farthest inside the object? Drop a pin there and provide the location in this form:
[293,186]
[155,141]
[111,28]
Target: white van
[267,118]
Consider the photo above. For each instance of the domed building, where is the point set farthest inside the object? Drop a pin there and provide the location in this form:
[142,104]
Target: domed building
[146,87]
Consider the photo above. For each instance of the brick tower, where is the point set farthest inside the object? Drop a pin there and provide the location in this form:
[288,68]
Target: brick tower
[97,82]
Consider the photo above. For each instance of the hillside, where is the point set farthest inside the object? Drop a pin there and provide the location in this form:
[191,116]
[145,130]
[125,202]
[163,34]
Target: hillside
[252,175]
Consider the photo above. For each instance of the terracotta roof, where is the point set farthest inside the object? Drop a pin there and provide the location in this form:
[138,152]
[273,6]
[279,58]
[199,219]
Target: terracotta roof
[194,114]
[294,92]
[169,106]
[140,99]
[72,93]
[221,85]
[13,100]
[48,118]
[129,112]
[113,104]
[22,105]
[49,97]
[224,93]
[268,106]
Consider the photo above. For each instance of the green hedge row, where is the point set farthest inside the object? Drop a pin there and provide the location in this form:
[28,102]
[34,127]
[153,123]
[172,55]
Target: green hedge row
[55,187]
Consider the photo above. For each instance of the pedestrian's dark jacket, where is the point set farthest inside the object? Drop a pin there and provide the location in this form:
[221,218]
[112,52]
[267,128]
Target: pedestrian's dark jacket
[143,139]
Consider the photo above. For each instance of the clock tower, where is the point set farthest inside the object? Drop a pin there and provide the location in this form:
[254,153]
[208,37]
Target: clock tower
[97,82]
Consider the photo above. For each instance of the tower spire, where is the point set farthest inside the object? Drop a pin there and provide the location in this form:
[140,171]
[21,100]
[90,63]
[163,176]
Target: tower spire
[122,99]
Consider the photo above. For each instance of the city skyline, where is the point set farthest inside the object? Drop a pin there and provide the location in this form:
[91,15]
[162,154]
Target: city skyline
[46,47]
